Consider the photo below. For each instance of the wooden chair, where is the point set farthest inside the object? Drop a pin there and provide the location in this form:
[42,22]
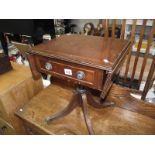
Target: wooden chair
[130,79]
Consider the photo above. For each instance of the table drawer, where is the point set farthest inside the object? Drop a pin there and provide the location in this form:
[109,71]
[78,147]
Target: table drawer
[77,73]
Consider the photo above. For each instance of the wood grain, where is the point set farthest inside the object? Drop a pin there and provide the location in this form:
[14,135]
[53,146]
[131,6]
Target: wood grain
[138,48]
[121,96]
[111,120]
[149,79]
[33,67]
[16,89]
[123,29]
[147,52]
[97,57]
[93,77]
[113,28]
[92,51]
[106,28]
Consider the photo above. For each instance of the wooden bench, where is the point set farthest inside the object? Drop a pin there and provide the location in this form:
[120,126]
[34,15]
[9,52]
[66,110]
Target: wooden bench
[118,119]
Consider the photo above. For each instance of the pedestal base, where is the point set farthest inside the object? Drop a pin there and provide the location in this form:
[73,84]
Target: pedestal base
[81,98]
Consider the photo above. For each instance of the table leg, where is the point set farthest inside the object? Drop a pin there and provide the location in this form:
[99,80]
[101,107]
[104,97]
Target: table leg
[67,110]
[85,113]
[99,104]
[81,98]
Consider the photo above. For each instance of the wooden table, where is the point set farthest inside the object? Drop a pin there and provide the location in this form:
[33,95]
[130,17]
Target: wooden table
[110,120]
[16,89]
[88,61]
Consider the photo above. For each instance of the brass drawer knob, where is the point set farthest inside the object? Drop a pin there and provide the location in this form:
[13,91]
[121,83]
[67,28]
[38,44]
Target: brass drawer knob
[80,75]
[48,66]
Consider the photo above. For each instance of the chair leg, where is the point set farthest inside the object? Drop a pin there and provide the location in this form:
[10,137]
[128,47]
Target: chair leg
[148,81]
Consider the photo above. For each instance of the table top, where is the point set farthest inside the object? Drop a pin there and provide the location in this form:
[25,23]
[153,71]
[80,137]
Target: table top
[92,51]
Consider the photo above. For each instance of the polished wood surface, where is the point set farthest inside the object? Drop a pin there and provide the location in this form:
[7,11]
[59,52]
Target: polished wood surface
[122,98]
[99,58]
[93,77]
[6,128]
[112,120]
[92,51]
[133,70]
[81,98]
[17,87]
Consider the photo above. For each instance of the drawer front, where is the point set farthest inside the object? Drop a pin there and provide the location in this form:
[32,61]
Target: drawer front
[77,73]
[6,128]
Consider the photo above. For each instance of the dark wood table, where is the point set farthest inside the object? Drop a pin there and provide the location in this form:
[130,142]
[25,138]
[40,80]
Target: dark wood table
[87,61]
